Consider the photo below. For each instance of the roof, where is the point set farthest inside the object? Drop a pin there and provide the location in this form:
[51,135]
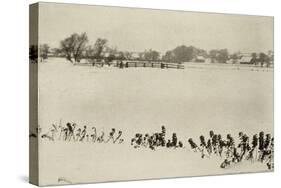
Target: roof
[200,58]
[134,55]
[246,59]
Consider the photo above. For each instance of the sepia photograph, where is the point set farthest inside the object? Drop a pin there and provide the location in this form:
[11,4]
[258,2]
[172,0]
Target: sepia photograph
[119,94]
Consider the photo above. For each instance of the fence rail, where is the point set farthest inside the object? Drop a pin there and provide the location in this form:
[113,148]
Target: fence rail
[135,64]
[150,64]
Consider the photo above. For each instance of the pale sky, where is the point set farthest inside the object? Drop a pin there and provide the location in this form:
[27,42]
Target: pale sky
[133,29]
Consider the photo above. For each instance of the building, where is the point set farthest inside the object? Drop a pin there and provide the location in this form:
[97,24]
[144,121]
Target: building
[200,59]
[246,60]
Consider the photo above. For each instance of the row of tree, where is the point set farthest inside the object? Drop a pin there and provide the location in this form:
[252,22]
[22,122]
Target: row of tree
[44,51]
[76,47]
[184,54]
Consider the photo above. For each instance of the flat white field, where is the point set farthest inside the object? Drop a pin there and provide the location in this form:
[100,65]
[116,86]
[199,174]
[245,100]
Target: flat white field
[189,102]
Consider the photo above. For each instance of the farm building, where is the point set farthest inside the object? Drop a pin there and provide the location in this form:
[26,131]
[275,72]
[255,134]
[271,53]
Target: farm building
[246,60]
[135,55]
[200,59]
[105,54]
[233,61]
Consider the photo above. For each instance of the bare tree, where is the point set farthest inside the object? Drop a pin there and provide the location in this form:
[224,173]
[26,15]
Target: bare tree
[128,55]
[219,56]
[44,51]
[80,45]
[57,52]
[169,56]
[151,55]
[264,59]
[183,54]
[254,59]
[99,46]
[74,46]
[67,48]
[95,51]
[234,58]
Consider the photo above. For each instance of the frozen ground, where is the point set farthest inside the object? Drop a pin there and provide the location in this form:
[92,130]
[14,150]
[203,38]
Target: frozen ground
[190,102]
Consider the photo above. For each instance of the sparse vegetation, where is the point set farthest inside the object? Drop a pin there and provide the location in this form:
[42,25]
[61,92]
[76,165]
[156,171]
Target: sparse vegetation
[76,47]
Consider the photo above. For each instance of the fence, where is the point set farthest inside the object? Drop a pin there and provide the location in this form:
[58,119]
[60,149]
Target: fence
[135,64]
[162,65]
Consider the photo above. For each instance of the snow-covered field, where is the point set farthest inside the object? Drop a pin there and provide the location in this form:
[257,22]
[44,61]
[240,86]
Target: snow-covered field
[190,102]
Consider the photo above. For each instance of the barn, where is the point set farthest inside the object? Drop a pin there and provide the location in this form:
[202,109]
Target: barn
[200,59]
[246,60]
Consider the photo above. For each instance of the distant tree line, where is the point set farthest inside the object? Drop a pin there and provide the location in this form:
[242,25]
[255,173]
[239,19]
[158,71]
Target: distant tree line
[36,53]
[76,47]
[262,58]
[183,54]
